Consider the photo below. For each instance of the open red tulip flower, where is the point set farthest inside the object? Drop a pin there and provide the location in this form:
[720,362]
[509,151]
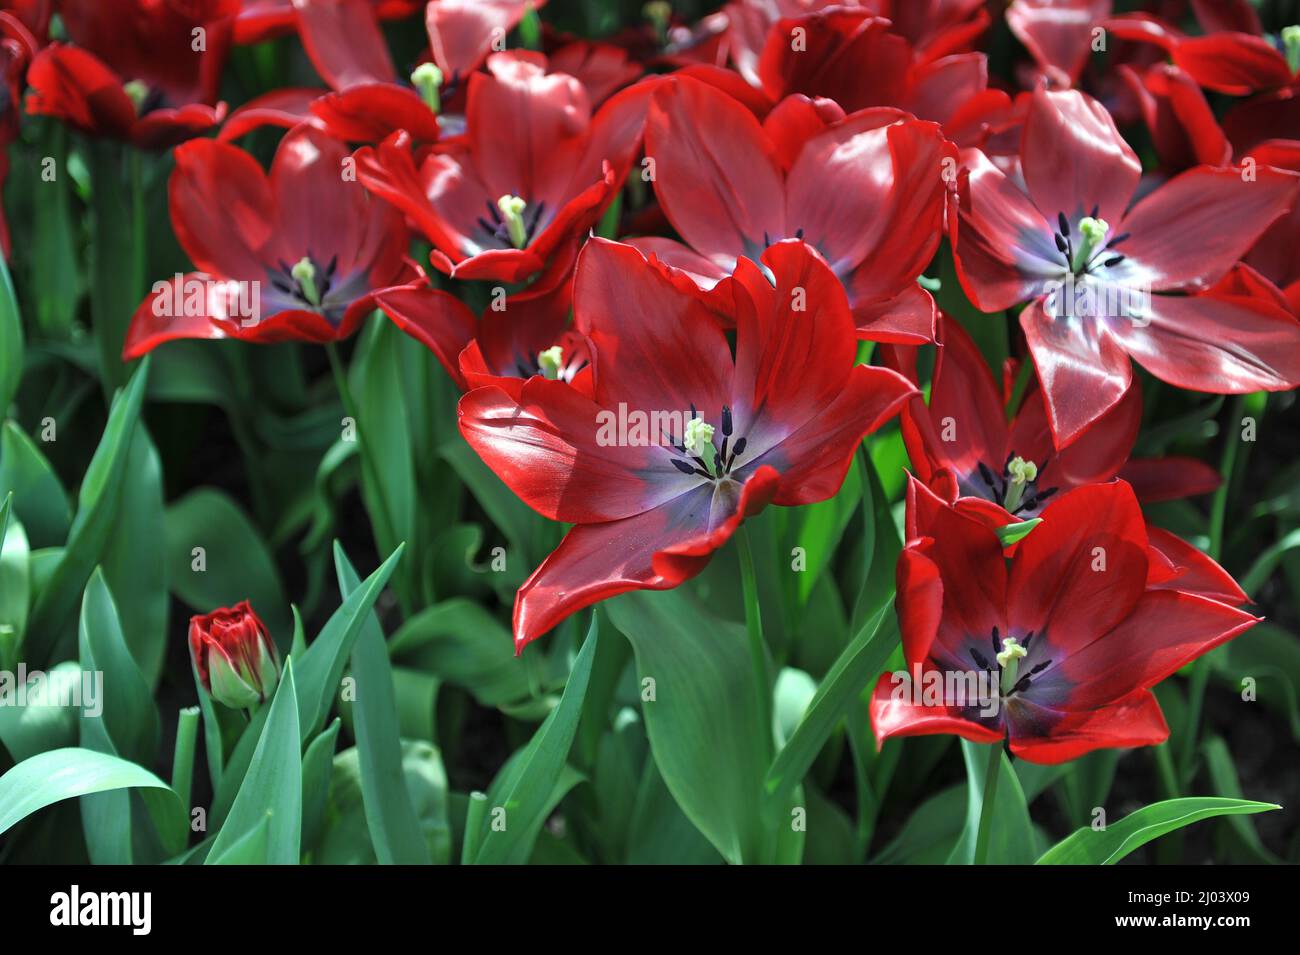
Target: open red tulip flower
[867,191]
[516,338]
[296,254]
[533,175]
[1054,650]
[681,439]
[961,444]
[144,71]
[1105,280]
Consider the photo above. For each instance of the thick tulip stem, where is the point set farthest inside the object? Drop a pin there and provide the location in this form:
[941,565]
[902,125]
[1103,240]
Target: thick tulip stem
[986,807]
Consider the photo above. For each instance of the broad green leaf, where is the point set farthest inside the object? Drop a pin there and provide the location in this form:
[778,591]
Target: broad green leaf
[1011,837]
[129,716]
[346,841]
[252,848]
[461,643]
[856,667]
[317,764]
[272,787]
[39,500]
[394,829]
[11,340]
[15,586]
[321,667]
[659,832]
[134,566]
[97,509]
[388,477]
[703,721]
[1088,846]
[930,833]
[59,774]
[524,788]
[234,563]
[511,516]
[35,727]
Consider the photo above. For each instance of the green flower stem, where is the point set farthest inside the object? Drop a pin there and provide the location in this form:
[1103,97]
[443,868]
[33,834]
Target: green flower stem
[187,728]
[368,464]
[986,808]
[754,627]
[1200,675]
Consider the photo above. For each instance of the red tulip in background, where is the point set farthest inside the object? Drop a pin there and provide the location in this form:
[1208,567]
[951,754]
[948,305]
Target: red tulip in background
[961,444]
[510,343]
[293,255]
[866,191]
[533,176]
[1070,633]
[145,71]
[775,424]
[234,657]
[1105,280]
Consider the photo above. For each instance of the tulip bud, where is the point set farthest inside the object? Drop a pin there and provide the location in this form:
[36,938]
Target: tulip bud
[234,656]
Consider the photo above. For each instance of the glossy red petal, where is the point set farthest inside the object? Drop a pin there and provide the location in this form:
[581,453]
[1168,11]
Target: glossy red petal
[1083,372]
[1080,573]
[436,319]
[659,348]
[1189,569]
[1189,232]
[654,550]
[551,447]
[1002,244]
[343,40]
[1169,479]
[1135,720]
[1058,33]
[370,112]
[716,175]
[284,108]
[463,32]
[1074,158]
[221,208]
[1164,631]
[895,713]
[1227,344]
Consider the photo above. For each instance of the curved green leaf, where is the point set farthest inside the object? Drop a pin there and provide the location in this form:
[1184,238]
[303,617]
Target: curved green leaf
[1087,846]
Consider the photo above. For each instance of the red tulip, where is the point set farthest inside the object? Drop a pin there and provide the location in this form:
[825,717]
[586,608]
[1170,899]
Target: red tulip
[534,174]
[1058,34]
[680,440]
[1063,641]
[866,190]
[145,71]
[293,255]
[516,338]
[1106,280]
[234,656]
[961,445]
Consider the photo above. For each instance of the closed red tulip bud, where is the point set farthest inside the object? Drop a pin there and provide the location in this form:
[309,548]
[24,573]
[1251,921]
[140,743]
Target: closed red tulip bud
[234,656]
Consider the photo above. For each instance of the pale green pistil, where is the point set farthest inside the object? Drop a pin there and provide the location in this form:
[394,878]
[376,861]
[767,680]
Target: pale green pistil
[1291,43]
[1009,658]
[512,214]
[138,92]
[1021,473]
[551,361]
[698,440]
[427,79]
[1093,233]
[304,273]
